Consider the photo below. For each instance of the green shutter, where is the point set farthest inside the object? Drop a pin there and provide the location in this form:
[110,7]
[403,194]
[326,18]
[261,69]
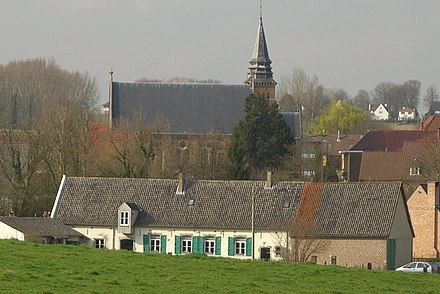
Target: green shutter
[177,248]
[163,243]
[202,244]
[146,243]
[195,244]
[248,246]
[231,246]
[218,245]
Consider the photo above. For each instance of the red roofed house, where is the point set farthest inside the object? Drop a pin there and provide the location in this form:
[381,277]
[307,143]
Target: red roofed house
[407,113]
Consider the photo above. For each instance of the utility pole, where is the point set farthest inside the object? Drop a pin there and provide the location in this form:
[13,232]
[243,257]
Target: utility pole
[253,224]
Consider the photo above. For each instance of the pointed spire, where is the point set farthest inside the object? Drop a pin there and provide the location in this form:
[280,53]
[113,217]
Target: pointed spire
[260,68]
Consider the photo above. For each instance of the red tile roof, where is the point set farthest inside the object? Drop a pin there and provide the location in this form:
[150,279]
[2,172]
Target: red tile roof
[391,140]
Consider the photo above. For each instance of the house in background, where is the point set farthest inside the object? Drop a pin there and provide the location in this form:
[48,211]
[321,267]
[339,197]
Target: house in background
[382,155]
[39,229]
[431,123]
[424,206]
[379,112]
[105,108]
[407,113]
[349,224]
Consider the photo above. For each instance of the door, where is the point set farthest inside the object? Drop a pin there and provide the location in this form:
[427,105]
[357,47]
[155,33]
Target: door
[391,254]
[127,244]
[265,253]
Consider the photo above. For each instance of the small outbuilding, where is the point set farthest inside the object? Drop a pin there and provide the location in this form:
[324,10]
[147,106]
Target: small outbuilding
[38,229]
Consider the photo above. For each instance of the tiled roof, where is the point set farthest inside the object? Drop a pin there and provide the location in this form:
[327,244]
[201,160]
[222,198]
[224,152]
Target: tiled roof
[431,123]
[188,108]
[381,166]
[390,140]
[340,209]
[40,226]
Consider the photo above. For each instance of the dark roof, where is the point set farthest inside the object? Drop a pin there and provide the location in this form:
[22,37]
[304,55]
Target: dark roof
[342,209]
[382,166]
[390,140]
[40,226]
[292,119]
[187,108]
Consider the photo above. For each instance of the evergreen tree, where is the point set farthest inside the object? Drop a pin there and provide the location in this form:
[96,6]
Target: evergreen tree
[259,141]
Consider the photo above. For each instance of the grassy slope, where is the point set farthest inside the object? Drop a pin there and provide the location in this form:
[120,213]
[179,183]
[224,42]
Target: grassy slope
[53,269]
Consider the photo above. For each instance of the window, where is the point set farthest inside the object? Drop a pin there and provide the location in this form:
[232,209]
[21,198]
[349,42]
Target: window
[186,245]
[414,171]
[240,247]
[209,246]
[124,218]
[333,259]
[277,251]
[155,243]
[308,155]
[286,203]
[314,259]
[308,173]
[99,243]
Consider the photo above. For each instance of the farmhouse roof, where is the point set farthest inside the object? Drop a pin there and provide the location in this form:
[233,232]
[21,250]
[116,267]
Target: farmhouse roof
[40,226]
[341,209]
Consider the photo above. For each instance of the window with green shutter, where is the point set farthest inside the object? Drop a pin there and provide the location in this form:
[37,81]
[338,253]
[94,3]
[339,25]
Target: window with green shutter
[231,246]
[248,246]
[163,244]
[177,248]
[218,245]
[146,243]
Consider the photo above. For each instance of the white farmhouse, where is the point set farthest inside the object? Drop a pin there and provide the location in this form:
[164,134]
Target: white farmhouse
[350,224]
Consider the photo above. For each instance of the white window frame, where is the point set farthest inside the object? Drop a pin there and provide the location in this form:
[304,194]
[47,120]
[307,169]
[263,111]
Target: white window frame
[154,243]
[124,218]
[240,246]
[99,243]
[209,245]
[414,171]
[186,244]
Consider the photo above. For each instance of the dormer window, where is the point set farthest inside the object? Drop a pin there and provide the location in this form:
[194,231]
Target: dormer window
[124,220]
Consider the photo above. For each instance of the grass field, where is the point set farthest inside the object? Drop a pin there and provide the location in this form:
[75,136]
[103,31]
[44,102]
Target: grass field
[26,267]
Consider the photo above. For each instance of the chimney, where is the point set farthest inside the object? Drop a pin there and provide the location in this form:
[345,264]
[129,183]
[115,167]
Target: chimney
[180,184]
[269,180]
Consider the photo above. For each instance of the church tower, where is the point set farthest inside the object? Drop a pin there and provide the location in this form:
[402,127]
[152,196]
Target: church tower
[260,76]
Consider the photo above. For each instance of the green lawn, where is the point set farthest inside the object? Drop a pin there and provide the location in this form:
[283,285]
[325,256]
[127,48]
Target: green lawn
[26,267]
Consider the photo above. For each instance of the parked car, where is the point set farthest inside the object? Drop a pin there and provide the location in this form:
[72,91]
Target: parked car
[420,267]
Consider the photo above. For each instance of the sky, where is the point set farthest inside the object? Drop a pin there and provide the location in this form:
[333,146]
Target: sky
[348,44]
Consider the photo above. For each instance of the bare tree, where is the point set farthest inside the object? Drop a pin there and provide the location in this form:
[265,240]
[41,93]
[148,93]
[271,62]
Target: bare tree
[431,95]
[362,99]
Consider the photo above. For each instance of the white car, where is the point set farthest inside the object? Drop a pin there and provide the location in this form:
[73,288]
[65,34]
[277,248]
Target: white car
[417,267]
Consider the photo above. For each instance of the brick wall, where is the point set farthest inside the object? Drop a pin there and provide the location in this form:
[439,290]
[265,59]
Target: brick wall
[355,253]
[421,207]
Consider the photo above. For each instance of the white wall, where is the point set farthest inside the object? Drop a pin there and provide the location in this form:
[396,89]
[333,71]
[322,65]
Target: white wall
[112,238]
[7,232]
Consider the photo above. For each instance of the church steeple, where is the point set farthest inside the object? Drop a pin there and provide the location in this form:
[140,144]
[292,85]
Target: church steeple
[260,76]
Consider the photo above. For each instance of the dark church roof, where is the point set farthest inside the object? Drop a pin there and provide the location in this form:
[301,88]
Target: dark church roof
[338,209]
[187,108]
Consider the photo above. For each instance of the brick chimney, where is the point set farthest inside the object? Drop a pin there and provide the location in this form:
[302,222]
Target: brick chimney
[269,180]
[180,184]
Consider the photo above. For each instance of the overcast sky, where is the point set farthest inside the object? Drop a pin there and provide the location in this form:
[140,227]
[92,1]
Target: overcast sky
[349,44]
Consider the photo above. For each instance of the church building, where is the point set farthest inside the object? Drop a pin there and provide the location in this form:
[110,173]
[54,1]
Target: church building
[195,108]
